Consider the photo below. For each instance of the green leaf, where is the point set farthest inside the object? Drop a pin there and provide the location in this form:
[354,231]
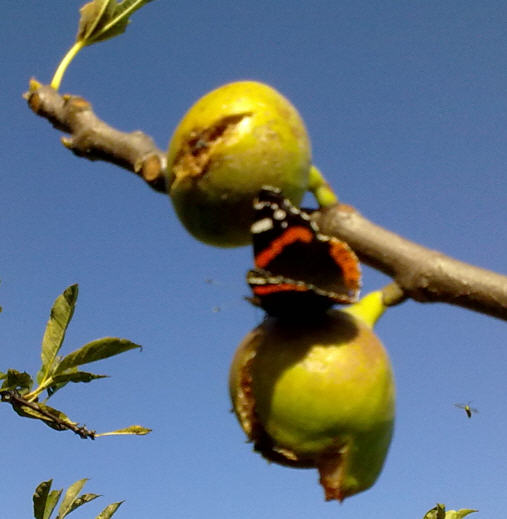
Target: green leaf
[56,385]
[137,430]
[44,501]
[49,415]
[74,375]
[83,499]
[40,498]
[77,376]
[91,14]
[108,512]
[438,512]
[100,20]
[61,314]
[459,514]
[28,412]
[17,381]
[53,498]
[70,497]
[93,351]
[104,19]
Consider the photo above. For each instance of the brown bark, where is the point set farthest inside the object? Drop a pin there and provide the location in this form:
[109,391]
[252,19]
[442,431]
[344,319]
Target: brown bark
[423,274]
[92,138]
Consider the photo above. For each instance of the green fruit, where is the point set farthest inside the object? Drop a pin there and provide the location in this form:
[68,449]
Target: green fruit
[319,394]
[233,141]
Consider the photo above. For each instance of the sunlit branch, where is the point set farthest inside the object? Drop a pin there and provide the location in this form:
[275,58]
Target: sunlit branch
[419,273]
[423,274]
[92,138]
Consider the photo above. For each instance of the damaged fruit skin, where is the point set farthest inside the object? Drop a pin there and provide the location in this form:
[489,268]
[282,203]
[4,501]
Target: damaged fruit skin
[318,394]
[231,142]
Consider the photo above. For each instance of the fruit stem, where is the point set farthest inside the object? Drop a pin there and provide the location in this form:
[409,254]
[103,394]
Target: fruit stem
[369,308]
[321,190]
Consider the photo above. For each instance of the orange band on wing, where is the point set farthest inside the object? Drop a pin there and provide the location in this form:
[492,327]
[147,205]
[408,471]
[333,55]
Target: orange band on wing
[344,256]
[291,235]
[263,290]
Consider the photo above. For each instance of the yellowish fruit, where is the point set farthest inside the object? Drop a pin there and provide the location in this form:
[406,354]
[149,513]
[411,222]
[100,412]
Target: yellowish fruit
[318,394]
[231,142]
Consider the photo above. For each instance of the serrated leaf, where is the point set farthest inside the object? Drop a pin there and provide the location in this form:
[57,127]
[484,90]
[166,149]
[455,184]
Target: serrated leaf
[18,381]
[108,512]
[60,316]
[137,430]
[93,351]
[70,497]
[104,19]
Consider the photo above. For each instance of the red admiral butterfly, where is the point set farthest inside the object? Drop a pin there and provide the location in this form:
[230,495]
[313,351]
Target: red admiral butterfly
[297,269]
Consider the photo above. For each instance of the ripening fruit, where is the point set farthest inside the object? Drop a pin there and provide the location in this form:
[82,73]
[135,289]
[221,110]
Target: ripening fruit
[231,142]
[319,394]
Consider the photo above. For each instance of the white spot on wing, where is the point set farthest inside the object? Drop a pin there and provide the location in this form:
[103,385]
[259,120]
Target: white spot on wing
[279,214]
[261,225]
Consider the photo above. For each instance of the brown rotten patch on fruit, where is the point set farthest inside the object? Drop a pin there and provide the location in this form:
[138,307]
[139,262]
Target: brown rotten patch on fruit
[319,394]
[232,142]
[197,150]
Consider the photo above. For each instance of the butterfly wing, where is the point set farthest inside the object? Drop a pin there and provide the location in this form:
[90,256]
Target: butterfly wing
[294,260]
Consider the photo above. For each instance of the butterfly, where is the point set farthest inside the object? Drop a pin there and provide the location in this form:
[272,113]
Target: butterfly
[298,270]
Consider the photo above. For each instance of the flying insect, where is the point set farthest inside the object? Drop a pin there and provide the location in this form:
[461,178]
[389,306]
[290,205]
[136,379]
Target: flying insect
[468,410]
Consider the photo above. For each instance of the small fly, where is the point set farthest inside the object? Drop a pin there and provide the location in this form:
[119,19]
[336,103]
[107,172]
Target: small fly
[468,410]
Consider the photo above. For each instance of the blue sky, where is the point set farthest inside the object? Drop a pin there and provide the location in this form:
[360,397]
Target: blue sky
[406,105]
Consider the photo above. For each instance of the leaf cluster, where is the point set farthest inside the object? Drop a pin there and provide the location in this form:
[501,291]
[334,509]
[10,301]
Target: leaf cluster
[57,371]
[45,501]
[438,512]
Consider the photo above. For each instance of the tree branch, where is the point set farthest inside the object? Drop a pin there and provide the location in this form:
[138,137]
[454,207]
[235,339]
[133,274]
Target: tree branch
[92,138]
[422,274]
